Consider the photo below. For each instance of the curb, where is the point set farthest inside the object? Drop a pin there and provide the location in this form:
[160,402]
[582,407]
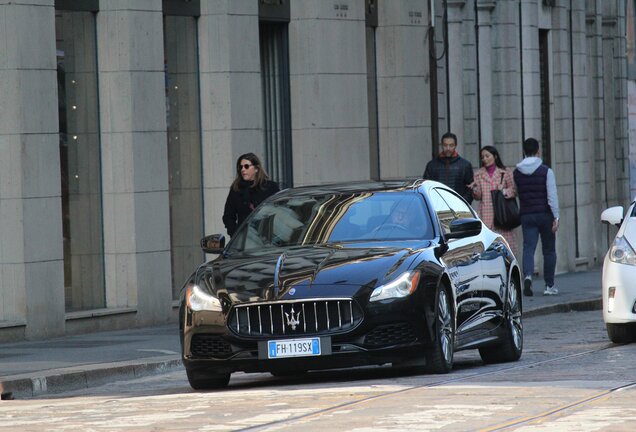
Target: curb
[81,377]
[577,306]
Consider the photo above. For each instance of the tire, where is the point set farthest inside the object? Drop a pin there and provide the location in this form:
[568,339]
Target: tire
[202,381]
[511,345]
[439,358]
[621,333]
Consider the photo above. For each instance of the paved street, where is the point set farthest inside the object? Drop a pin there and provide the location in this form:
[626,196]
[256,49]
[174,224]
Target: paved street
[570,377]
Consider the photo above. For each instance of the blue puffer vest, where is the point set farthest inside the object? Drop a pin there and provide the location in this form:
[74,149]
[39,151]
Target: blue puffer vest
[532,190]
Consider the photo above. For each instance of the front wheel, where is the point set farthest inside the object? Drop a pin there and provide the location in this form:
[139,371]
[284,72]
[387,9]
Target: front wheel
[511,344]
[439,358]
[207,381]
[621,333]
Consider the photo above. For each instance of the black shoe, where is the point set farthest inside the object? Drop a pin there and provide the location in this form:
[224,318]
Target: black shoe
[527,287]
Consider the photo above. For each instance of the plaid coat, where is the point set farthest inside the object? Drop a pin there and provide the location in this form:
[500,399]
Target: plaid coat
[483,185]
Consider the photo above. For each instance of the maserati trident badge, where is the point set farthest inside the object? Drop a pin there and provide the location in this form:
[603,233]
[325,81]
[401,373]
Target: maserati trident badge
[293,320]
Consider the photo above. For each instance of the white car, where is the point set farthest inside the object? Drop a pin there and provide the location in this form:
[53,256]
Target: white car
[619,276]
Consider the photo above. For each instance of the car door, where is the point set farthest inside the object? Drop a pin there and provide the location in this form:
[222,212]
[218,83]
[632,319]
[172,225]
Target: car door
[462,257]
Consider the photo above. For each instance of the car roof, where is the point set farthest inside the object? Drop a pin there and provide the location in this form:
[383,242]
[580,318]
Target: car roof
[396,185]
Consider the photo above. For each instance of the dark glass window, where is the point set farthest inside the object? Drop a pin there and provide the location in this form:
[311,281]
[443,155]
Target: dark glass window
[274,47]
[334,218]
[631,39]
[544,83]
[80,160]
[372,97]
[184,146]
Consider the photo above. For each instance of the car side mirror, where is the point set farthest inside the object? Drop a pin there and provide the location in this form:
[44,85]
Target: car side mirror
[613,216]
[466,227]
[213,244]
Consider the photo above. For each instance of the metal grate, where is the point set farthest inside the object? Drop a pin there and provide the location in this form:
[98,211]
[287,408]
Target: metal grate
[210,346]
[393,334]
[295,318]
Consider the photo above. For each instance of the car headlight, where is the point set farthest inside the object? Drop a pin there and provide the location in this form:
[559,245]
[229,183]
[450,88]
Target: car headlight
[622,252]
[199,300]
[401,287]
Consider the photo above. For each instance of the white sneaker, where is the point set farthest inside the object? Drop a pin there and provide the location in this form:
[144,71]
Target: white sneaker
[550,290]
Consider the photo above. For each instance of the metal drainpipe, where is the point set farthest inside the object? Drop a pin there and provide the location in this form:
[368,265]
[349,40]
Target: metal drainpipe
[433,80]
[478,82]
[523,121]
[576,207]
[448,110]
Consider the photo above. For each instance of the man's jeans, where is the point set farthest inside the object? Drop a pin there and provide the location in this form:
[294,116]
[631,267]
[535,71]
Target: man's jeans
[533,225]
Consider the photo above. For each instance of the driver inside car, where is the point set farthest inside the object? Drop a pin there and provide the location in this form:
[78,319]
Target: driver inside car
[400,215]
[401,221]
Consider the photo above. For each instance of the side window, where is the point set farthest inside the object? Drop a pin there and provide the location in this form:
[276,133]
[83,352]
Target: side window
[444,213]
[458,205]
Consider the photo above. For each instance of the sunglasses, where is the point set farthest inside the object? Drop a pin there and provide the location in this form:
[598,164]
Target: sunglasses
[245,166]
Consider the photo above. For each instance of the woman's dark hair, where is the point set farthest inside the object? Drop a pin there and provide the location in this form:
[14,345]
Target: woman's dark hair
[260,177]
[493,151]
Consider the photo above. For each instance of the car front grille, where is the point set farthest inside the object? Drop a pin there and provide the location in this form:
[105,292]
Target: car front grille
[291,318]
[392,334]
[210,346]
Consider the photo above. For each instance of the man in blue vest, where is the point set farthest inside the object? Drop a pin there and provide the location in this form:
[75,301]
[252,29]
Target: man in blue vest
[539,212]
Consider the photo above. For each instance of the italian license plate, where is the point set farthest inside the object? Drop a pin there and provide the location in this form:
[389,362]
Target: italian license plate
[293,348]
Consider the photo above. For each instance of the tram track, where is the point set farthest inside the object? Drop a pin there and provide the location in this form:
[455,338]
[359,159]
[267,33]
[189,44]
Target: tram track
[502,369]
[602,395]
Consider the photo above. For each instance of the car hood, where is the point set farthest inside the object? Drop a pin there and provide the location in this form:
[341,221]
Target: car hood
[307,272]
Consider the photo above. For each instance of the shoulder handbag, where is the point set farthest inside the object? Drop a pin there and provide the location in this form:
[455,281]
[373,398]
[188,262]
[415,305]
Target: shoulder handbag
[506,210]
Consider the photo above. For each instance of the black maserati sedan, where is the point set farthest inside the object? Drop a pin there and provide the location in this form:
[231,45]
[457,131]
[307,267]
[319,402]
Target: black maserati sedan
[334,276]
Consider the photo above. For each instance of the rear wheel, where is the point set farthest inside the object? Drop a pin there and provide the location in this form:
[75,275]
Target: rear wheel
[439,358]
[621,333]
[511,345]
[207,381]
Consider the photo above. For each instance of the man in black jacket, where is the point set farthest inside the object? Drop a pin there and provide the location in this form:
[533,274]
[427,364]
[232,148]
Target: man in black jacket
[451,169]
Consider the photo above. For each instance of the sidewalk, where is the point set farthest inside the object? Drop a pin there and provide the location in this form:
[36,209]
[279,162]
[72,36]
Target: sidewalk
[50,366]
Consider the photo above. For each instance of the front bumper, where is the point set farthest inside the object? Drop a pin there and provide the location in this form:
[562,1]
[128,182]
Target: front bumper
[393,334]
[621,277]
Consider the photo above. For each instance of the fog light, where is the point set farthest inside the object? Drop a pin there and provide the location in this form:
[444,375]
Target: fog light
[611,293]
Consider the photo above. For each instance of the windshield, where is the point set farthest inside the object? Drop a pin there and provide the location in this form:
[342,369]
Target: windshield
[335,218]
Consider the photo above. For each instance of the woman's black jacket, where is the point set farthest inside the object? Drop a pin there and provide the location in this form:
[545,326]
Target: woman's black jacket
[240,203]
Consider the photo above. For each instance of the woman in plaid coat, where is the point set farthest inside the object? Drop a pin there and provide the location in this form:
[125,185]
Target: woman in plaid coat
[493,175]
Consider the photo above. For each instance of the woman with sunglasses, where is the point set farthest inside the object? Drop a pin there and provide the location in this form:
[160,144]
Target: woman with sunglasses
[250,187]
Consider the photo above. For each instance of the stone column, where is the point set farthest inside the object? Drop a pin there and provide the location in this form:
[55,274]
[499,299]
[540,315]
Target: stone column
[484,12]
[455,70]
[612,168]
[231,99]
[31,255]
[533,18]
[134,158]
[403,68]
[329,91]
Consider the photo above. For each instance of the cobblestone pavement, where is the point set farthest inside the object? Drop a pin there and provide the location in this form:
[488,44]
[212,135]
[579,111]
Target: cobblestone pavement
[562,382]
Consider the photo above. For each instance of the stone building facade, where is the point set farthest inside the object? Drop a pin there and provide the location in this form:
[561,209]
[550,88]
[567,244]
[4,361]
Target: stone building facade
[121,120]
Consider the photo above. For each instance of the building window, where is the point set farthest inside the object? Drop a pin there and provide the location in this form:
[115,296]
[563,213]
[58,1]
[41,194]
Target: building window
[372,89]
[544,83]
[80,160]
[184,146]
[631,40]
[274,47]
